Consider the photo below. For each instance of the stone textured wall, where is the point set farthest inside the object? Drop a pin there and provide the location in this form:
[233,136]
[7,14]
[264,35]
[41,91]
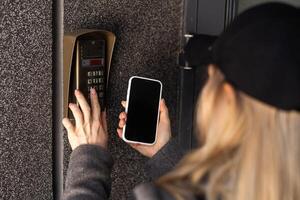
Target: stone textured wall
[148,38]
[25,99]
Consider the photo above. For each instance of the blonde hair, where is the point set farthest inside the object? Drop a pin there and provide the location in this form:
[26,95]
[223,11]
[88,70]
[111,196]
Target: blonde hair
[249,150]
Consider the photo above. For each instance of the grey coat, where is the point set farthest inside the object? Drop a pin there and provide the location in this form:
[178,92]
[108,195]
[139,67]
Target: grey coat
[88,175]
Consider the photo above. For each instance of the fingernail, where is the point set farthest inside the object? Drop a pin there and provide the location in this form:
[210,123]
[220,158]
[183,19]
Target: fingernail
[93,91]
[76,91]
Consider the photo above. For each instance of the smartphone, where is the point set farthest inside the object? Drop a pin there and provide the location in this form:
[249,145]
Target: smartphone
[143,97]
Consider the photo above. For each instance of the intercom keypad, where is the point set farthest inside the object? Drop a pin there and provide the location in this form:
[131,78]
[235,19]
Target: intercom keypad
[96,80]
[92,68]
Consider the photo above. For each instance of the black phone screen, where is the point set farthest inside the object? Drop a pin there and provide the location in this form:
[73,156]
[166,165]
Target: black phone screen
[142,112]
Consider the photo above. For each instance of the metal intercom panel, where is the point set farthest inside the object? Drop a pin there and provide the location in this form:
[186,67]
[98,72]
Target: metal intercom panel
[87,58]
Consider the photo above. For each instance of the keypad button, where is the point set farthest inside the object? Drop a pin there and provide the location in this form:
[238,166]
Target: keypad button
[101,94]
[89,74]
[89,81]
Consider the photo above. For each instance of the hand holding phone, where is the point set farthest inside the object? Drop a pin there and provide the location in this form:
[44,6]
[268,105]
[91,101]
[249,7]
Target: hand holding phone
[143,97]
[163,131]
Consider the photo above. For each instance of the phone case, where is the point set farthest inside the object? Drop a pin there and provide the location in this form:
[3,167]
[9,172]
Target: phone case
[126,110]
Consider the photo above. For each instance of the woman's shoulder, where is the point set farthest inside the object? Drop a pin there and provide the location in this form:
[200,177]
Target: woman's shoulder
[150,191]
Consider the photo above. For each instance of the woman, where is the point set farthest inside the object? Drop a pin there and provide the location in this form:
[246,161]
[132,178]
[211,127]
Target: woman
[248,123]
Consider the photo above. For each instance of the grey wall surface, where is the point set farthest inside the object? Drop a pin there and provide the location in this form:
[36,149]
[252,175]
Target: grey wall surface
[25,99]
[148,38]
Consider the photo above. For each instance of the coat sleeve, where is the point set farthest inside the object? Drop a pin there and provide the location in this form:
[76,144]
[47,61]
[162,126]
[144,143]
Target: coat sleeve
[164,160]
[149,191]
[88,175]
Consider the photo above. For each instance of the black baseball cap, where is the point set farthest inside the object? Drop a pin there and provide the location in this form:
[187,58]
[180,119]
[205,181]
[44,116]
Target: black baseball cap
[259,54]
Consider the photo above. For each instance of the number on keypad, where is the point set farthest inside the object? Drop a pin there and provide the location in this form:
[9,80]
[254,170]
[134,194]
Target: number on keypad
[96,80]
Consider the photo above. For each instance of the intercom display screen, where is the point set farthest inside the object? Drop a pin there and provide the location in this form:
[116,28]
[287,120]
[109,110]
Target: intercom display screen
[92,48]
[142,112]
[92,62]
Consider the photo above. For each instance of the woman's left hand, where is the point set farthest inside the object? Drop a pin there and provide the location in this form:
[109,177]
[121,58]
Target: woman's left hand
[90,124]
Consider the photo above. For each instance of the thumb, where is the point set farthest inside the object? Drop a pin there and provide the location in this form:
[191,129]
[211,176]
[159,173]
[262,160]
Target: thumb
[164,112]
